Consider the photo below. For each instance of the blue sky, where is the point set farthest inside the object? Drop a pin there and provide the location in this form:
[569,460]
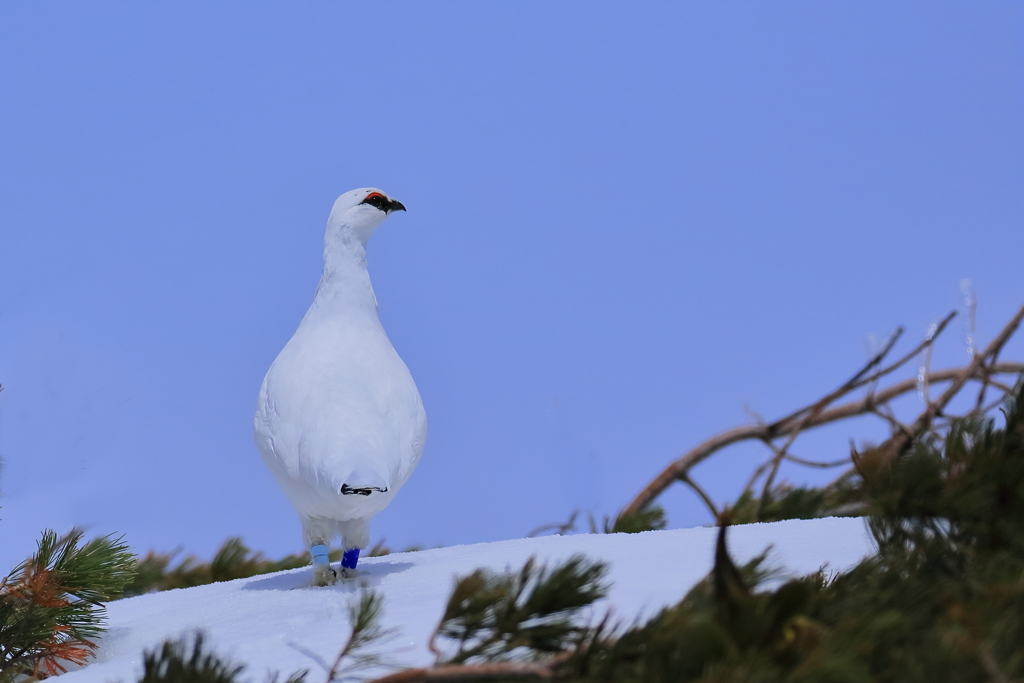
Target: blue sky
[627,221]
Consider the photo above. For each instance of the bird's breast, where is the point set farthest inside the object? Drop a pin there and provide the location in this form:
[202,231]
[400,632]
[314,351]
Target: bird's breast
[338,397]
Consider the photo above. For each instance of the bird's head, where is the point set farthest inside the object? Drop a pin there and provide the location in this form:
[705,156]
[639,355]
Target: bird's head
[361,211]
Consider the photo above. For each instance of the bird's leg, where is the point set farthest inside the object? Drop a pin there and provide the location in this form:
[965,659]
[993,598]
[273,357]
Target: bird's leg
[317,533]
[348,562]
[355,534]
[323,573]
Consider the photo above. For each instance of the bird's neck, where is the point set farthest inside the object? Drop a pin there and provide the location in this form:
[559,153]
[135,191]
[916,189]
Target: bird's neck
[346,280]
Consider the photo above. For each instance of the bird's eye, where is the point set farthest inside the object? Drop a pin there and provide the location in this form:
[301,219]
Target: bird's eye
[375,199]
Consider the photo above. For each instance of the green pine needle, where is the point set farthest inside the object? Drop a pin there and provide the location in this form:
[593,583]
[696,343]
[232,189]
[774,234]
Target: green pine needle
[51,605]
[497,616]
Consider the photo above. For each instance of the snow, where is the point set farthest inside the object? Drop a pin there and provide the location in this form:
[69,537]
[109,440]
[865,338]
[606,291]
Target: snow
[265,622]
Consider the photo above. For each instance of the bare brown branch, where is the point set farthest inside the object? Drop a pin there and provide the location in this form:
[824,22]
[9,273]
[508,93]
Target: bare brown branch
[988,381]
[560,528]
[858,380]
[878,357]
[789,424]
[928,342]
[757,473]
[687,479]
[479,672]
[815,463]
[807,414]
[890,419]
[776,461]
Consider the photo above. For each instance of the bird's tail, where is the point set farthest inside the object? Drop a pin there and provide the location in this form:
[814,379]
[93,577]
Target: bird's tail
[364,481]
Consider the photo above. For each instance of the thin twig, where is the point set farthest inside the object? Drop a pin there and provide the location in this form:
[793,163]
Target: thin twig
[777,462]
[488,671]
[856,382]
[364,619]
[1005,388]
[929,340]
[751,413]
[815,410]
[757,475]
[996,403]
[981,394]
[478,672]
[786,426]
[988,381]
[432,644]
[878,357]
[788,456]
[814,463]
[896,425]
[988,662]
[924,421]
[560,528]
[687,479]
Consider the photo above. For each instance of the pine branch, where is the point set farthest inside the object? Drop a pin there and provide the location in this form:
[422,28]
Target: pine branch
[51,604]
[178,661]
[496,616]
[364,618]
[189,660]
[233,560]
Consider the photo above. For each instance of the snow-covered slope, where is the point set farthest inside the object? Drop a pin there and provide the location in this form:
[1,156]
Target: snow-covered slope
[260,621]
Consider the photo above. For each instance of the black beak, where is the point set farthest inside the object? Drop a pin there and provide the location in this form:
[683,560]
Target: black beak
[376,199]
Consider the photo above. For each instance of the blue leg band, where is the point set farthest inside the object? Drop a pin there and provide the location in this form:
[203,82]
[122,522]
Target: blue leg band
[349,559]
[319,553]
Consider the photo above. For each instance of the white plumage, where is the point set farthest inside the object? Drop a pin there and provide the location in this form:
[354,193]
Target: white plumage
[339,421]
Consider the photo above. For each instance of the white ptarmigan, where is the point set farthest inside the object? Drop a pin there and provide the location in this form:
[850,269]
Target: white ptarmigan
[339,421]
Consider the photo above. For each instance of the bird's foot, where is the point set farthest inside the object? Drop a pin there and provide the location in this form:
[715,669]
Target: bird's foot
[348,563]
[324,575]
